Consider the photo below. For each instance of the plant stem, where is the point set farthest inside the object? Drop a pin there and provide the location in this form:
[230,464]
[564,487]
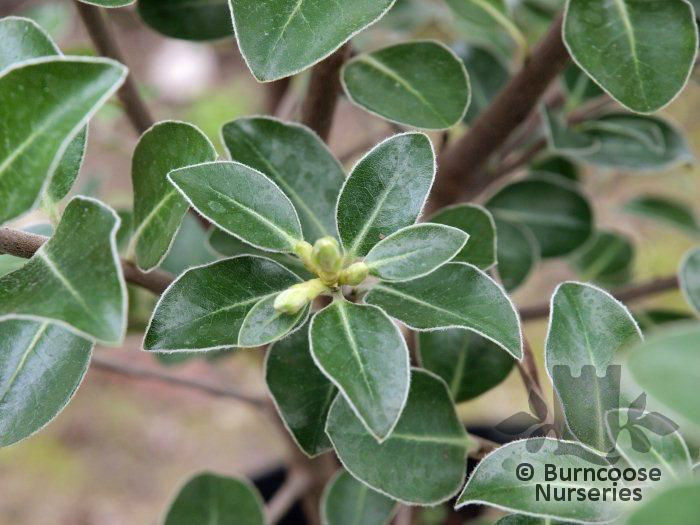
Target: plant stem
[275,93]
[23,244]
[106,44]
[626,294]
[461,166]
[137,372]
[297,482]
[321,99]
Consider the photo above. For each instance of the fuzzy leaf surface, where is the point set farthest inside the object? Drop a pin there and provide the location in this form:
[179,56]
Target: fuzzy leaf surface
[478,223]
[347,501]
[665,211]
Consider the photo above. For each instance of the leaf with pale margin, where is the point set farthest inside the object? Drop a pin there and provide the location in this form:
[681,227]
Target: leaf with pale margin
[517,252]
[664,210]
[297,161]
[227,245]
[37,357]
[189,247]
[363,353]
[468,363]
[636,142]
[522,519]
[10,263]
[75,278]
[347,501]
[38,124]
[279,38]
[676,504]
[579,86]
[557,213]
[414,251]
[429,439]
[661,444]
[587,327]
[386,191]
[478,223]
[188,19]
[301,393]
[606,258]
[421,84]
[264,324]
[213,498]
[241,201]
[493,482]
[190,316]
[564,140]
[158,207]
[108,3]
[641,53]
[558,166]
[689,277]
[22,39]
[673,353]
[456,295]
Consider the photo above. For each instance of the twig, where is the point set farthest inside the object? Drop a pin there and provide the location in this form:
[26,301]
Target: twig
[461,166]
[626,294]
[485,446]
[275,93]
[24,244]
[137,372]
[106,44]
[296,484]
[404,515]
[321,99]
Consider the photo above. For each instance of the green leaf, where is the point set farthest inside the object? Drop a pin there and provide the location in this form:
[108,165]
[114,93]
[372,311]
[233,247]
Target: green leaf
[188,19]
[23,39]
[457,295]
[469,363]
[38,124]
[158,207]
[635,142]
[674,354]
[263,324]
[579,86]
[647,440]
[587,327]
[565,140]
[664,210]
[75,278]
[641,53]
[478,223]
[346,501]
[606,258]
[189,316]
[558,215]
[415,251]
[649,320]
[241,201]
[386,191]
[227,245]
[490,14]
[421,84]
[189,247]
[517,252]
[675,505]
[363,353]
[301,393]
[428,439]
[487,76]
[68,168]
[108,3]
[37,357]
[521,519]
[556,165]
[297,161]
[494,481]
[280,38]
[689,277]
[212,498]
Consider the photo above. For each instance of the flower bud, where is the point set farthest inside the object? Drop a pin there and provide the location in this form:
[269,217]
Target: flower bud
[354,274]
[327,256]
[298,296]
[305,251]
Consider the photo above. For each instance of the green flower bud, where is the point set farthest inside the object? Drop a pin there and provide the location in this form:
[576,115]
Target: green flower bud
[327,256]
[354,274]
[304,251]
[298,296]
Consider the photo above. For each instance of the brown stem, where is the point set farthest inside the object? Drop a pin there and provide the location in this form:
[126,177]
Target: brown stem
[275,93]
[23,244]
[321,99]
[296,484]
[103,39]
[150,374]
[626,294]
[461,167]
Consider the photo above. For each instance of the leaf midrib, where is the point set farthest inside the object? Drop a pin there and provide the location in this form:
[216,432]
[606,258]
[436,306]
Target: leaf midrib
[32,345]
[353,345]
[632,41]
